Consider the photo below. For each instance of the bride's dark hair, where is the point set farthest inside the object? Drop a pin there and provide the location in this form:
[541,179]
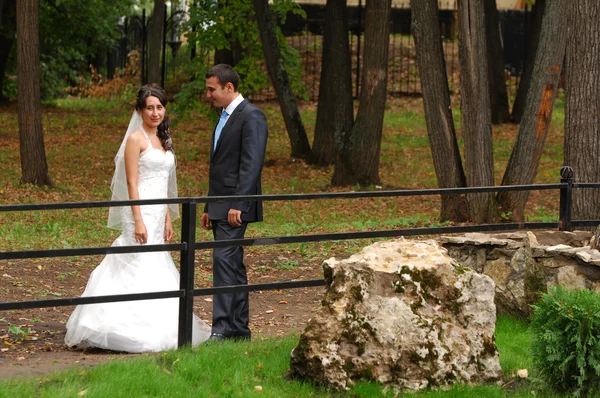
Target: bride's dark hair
[163,133]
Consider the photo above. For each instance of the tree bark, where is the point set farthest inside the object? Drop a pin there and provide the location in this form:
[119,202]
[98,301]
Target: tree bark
[497,80]
[335,114]
[525,157]
[475,108]
[156,38]
[230,56]
[358,162]
[532,45]
[438,110]
[582,107]
[34,168]
[281,81]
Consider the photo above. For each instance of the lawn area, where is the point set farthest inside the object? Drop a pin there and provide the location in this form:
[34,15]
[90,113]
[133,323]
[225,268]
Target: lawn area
[82,137]
[257,369]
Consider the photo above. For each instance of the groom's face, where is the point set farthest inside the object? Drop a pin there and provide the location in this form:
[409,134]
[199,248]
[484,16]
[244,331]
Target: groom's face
[219,95]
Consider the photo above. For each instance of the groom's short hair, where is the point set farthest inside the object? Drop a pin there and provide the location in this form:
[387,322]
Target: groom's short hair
[225,74]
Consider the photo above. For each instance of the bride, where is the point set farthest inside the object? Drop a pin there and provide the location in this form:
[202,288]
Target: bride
[144,169]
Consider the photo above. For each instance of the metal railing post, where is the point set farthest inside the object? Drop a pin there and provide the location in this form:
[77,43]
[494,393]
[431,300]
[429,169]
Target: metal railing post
[566,198]
[186,281]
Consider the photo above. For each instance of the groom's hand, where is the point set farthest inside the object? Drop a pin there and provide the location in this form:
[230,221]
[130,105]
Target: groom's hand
[205,221]
[234,217]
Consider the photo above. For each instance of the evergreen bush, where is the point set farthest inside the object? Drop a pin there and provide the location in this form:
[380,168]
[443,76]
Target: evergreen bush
[566,341]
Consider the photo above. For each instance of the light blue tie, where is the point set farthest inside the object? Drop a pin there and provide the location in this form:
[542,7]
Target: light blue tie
[220,125]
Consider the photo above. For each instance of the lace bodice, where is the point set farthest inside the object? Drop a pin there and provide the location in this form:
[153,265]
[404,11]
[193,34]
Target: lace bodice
[155,167]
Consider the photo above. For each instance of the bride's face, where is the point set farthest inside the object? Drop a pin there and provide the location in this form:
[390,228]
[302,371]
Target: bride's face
[153,113]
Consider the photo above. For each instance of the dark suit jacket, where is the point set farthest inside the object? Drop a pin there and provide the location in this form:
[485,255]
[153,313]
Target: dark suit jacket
[236,163]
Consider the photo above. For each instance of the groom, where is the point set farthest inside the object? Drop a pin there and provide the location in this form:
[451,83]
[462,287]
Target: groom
[236,159]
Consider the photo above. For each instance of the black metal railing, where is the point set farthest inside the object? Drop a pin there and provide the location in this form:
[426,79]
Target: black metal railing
[188,244]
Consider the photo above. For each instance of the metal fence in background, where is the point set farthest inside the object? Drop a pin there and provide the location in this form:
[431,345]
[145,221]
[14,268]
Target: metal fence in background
[305,35]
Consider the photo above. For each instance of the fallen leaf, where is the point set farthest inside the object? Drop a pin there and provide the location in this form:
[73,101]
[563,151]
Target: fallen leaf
[260,365]
[208,299]
[257,388]
[523,373]
[21,358]
[283,302]
[269,311]
[3,349]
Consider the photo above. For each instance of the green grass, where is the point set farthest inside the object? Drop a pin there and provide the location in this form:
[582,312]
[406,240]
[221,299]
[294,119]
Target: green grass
[82,136]
[513,338]
[87,104]
[236,369]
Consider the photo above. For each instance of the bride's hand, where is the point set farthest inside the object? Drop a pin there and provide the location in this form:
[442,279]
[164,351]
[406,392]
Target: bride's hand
[140,233]
[168,231]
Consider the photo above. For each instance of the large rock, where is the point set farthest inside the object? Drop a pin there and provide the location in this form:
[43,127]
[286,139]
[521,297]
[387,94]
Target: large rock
[402,313]
[524,264]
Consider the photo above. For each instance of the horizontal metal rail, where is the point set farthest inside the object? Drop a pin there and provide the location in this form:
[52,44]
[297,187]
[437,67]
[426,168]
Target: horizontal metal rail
[90,251]
[19,305]
[159,295]
[279,197]
[278,240]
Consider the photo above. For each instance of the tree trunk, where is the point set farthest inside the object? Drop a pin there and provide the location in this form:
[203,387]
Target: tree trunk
[230,56]
[438,110]
[475,108]
[281,82]
[335,114]
[358,162]
[582,107]
[525,157]
[34,168]
[532,45]
[156,38]
[497,80]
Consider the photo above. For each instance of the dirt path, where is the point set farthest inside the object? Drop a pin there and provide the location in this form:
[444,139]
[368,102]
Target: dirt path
[40,348]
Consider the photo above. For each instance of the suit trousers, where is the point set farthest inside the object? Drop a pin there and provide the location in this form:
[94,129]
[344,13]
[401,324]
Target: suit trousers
[231,311]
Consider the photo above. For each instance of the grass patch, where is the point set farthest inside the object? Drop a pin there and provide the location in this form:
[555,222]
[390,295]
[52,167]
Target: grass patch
[236,369]
[88,104]
[83,135]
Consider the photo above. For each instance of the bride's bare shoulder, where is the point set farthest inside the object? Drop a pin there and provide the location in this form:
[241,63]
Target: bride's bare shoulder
[137,140]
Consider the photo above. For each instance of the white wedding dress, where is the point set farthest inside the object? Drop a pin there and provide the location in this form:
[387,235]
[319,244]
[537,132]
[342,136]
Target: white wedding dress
[144,325]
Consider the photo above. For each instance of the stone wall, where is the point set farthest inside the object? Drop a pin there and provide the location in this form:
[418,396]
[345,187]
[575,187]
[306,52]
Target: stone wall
[524,264]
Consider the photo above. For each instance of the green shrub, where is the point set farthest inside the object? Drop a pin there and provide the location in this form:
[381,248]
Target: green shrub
[566,347]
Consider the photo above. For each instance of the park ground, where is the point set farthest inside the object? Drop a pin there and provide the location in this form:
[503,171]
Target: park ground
[81,139]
